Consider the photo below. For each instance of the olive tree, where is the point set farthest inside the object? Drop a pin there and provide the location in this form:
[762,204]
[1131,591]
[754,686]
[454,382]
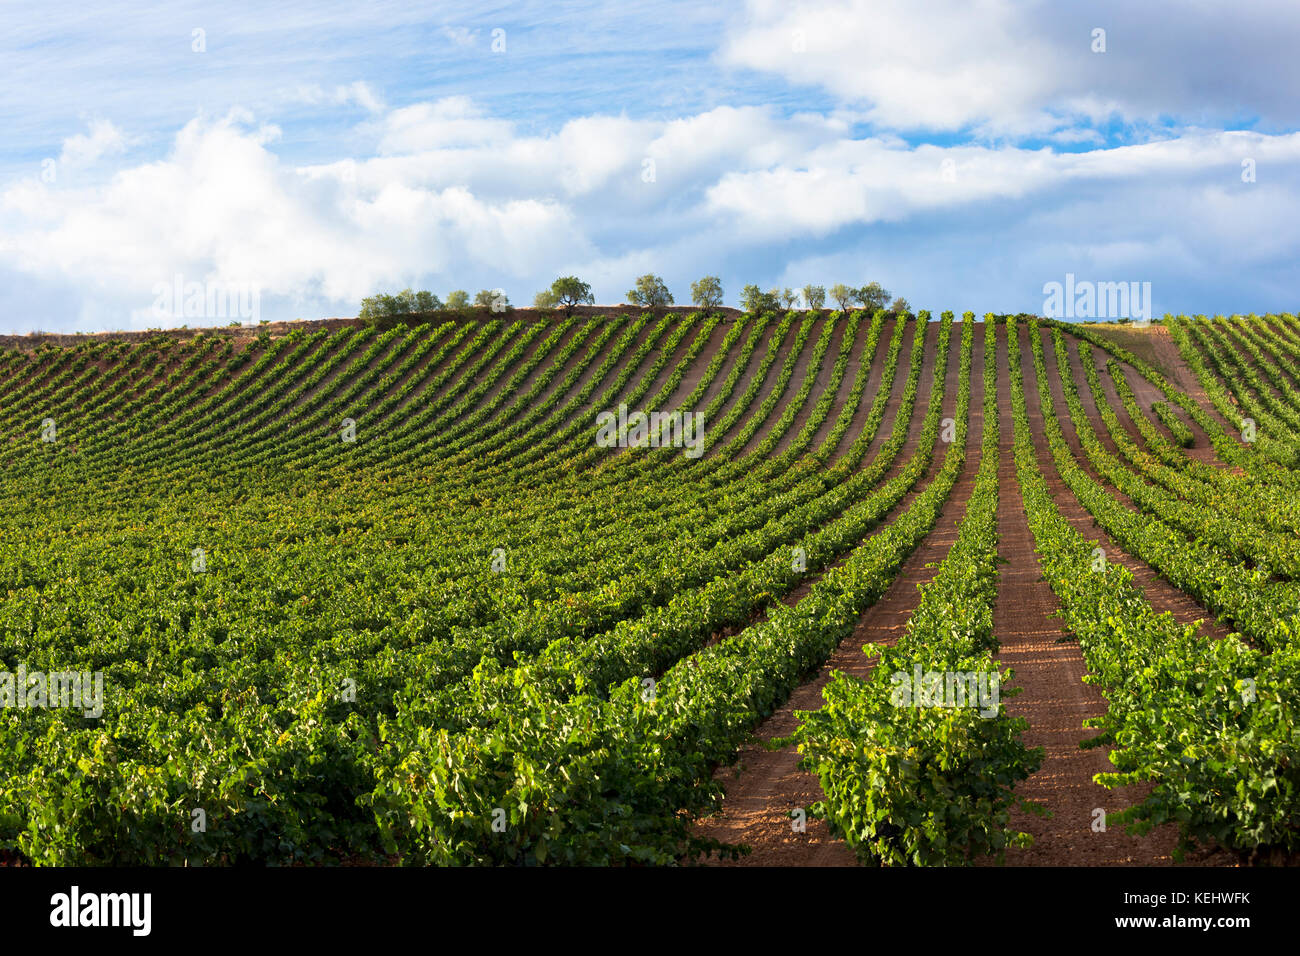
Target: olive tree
[707,292]
[651,292]
[571,292]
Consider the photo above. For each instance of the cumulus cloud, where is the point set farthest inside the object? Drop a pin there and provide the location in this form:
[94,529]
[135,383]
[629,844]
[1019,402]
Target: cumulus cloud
[937,64]
[863,181]
[1028,67]
[222,207]
[451,121]
[450,196]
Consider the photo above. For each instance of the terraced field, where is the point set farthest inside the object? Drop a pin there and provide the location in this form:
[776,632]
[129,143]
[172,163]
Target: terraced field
[346,595]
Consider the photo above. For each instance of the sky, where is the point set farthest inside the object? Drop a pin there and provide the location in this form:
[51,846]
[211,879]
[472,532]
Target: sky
[206,163]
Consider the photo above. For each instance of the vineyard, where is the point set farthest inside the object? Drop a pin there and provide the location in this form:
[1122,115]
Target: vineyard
[840,588]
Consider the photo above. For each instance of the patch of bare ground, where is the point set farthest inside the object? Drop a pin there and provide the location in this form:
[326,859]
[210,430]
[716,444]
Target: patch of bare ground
[238,334]
[1142,342]
[1179,373]
[1161,594]
[1146,394]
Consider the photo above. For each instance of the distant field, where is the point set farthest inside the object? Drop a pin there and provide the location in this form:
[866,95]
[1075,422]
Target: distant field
[1139,341]
[653,588]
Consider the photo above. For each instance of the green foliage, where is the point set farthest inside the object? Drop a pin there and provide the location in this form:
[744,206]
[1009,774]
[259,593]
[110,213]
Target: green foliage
[569,292]
[872,296]
[494,300]
[906,784]
[650,292]
[707,292]
[1212,728]
[352,677]
[546,299]
[381,310]
[756,302]
[843,295]
[814,296]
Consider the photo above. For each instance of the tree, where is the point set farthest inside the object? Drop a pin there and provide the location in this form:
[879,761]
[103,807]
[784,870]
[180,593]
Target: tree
[570,291]
[377,309]
[756,301]
[843,295]
[650,292]
[374,307]
[900,307]
[787,297]
[707,292]
[458,300]
[814,296]
[873,297]
[546,299]
[494,299]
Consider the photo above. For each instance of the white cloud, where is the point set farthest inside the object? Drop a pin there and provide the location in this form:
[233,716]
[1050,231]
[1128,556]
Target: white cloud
[454,197]
[82,150]
[864,181]
[223,207]
[930,64]
[460,36]
[1027,67]
[452,121]
[358,94]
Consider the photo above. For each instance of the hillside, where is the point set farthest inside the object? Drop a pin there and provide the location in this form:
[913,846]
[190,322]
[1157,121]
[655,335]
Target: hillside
[422,595]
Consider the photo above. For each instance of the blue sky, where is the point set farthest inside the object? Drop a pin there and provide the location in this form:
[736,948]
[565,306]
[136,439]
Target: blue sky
[962,153]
